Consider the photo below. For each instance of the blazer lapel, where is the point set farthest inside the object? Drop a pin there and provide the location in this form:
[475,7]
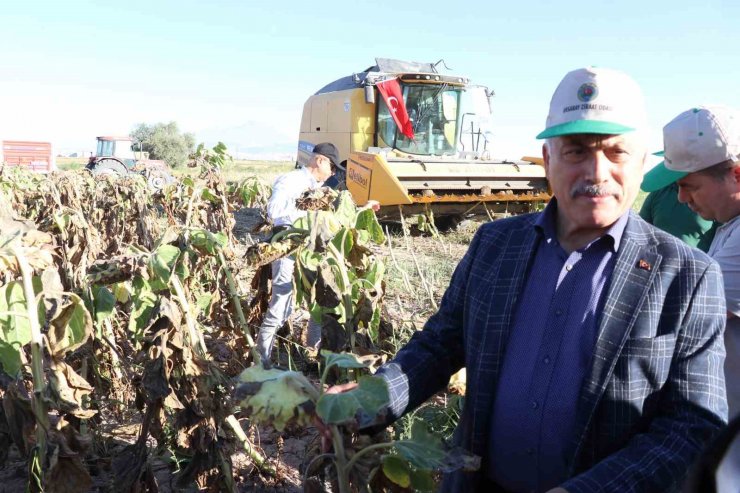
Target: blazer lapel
[634,271]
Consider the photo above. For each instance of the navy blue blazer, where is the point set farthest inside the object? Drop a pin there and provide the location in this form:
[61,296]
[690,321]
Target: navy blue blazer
[655,393]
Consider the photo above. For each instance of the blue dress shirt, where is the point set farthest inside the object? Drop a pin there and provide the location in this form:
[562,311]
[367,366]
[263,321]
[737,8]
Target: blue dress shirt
[548,353]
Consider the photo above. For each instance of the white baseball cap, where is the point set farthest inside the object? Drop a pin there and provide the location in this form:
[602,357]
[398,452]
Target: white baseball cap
[695,140]
[595,101]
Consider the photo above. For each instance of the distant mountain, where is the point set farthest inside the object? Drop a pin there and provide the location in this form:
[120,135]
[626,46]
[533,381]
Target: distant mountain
[252,140]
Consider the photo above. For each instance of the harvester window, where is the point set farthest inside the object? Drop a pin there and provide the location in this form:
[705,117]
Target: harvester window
[433,111]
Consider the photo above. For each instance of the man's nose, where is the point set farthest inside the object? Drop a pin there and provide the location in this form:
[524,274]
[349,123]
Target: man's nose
[683,197]
[599,166]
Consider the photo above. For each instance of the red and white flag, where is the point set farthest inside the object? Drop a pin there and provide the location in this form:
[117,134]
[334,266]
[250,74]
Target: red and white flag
[391,92]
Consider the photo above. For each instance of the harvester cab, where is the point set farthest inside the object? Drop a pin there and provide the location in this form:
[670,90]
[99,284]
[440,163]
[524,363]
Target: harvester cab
[410,136]
[115,155]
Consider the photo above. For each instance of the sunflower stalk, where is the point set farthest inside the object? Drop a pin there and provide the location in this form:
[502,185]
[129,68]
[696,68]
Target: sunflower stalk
[196,340]
[238,306]
[256,457]
[37,353]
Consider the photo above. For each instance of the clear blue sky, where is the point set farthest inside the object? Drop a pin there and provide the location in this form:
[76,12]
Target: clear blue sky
[76,69]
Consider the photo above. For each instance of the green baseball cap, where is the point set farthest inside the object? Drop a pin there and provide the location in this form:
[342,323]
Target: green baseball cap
[660,176]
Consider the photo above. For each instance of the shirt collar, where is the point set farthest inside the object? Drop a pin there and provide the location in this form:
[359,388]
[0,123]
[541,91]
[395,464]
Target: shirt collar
[545,224]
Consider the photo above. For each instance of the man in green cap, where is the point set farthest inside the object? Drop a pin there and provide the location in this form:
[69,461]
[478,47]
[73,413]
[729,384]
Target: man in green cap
[662,209]
[702,156]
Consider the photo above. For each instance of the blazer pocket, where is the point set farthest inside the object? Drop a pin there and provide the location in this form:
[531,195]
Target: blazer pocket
[643,366]
[650,347]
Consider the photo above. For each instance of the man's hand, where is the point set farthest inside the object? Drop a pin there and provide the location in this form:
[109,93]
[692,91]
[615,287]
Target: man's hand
[372,204]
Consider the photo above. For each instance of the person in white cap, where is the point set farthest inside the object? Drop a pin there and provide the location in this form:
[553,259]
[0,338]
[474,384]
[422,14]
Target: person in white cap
[592,340]
[702,154]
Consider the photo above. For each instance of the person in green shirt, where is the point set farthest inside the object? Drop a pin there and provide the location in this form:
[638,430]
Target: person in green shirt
[663,210]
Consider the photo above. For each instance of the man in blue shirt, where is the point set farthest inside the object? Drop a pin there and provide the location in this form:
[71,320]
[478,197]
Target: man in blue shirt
[592,340]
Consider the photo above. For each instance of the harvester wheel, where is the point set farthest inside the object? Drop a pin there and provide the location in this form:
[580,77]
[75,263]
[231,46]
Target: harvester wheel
[158,177]
[108,166]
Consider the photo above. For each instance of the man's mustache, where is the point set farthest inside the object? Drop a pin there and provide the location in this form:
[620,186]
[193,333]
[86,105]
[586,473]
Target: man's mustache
[595,191]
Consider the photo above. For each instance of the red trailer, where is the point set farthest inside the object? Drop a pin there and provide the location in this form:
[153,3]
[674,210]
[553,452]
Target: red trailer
[37,156]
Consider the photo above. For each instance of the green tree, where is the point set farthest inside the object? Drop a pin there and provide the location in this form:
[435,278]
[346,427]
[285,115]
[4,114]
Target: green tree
[164,141]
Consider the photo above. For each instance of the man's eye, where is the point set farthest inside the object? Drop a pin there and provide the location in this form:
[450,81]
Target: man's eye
[618,154]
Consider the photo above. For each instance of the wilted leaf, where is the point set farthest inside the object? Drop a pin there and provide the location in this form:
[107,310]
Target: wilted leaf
[70,328]
[161,263]
[132,470]
[17,236]
[343,360]
[324,226]
[367,221]
[207,194]
[67,390]
[276,397]
[328,294]
[252,192]
[427,452]
[422,480]
[144,300]
[208,242]
[20,418]
[397,470]
[424,450]
[308,259]
[105,301]
[344,241]
[155,379]
[15,329]
[346,211]
[366,402]
[374,275]
[51,284]
[122,292]
[67,473]
[203,303]
[62,220]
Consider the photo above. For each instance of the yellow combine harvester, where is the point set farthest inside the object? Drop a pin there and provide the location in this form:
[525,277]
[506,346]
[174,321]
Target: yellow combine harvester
[429,147]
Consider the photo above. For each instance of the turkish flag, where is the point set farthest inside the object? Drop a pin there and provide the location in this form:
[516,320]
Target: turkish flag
[391,92]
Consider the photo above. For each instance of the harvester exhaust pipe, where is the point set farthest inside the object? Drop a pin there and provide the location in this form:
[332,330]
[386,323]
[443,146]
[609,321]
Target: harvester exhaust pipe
[369,94]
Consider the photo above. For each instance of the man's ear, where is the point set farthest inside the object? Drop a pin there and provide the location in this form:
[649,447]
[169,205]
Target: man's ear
[546,158]
[736,174]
